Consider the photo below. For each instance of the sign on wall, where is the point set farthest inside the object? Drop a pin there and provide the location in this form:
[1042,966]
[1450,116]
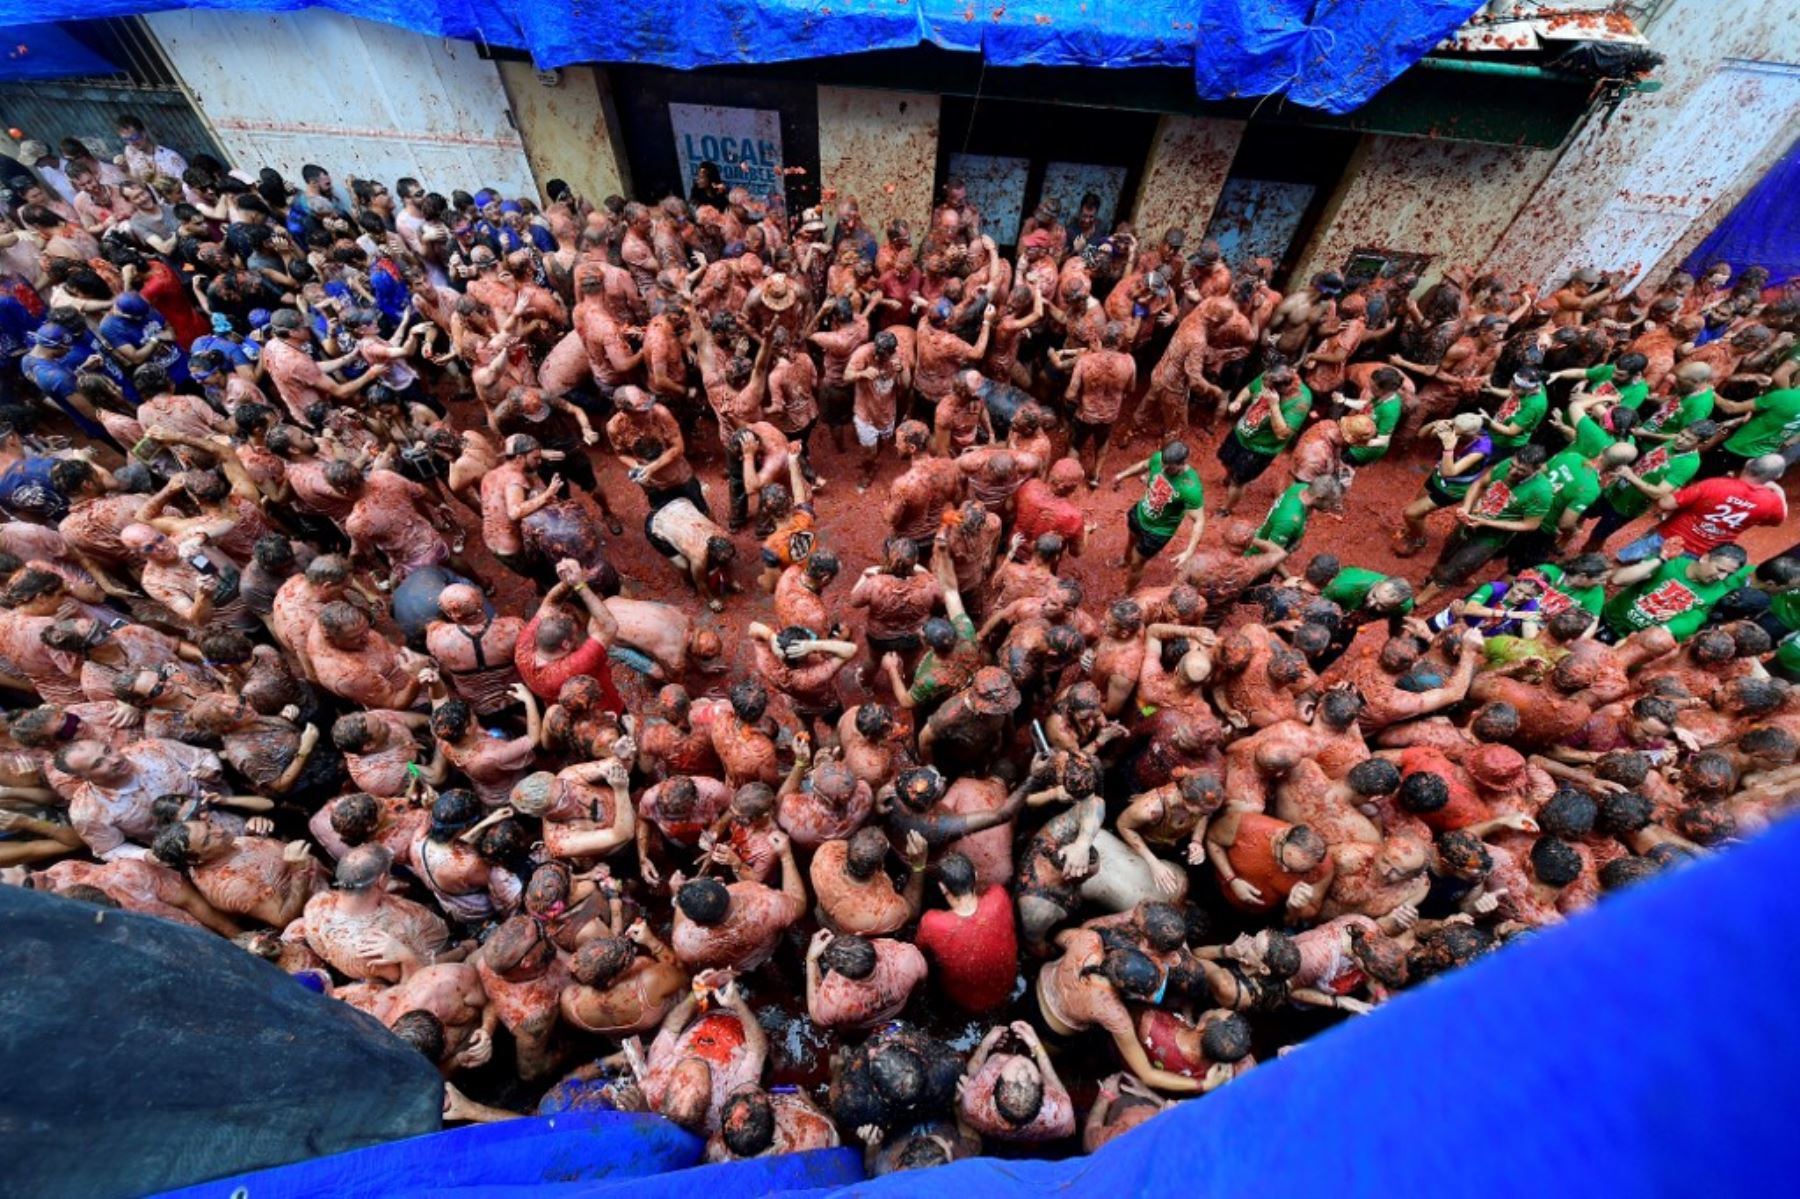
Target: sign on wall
[744,142]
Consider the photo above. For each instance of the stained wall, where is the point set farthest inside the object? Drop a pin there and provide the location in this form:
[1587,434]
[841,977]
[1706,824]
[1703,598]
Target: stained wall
[882,148]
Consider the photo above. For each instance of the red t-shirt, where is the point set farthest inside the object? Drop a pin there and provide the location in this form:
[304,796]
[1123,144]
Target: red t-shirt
[976,957]
[1715,512]
[1465,807]
[546,681]
[1040,510]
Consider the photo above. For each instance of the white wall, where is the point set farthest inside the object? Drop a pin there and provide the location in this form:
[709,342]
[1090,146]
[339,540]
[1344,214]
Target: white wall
[358,98]
[1628,191]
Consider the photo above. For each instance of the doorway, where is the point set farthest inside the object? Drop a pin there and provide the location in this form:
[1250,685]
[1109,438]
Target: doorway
[1280,182]
[762,133]
[1013,154]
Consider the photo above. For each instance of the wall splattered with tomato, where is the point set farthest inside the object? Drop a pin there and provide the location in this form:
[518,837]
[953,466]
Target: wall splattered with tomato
[1449,200]
[1187,166]
[880,147]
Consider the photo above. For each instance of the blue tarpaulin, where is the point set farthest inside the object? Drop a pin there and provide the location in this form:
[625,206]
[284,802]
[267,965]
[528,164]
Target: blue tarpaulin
[46,52]
[1647,1048]
[1762,230]
[1327,54]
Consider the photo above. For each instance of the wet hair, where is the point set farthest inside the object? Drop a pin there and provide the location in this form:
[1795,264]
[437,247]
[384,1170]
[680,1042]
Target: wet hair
[1709,771]
[823,564]
[1226,1038]
[355,817]
[1018,1101]
[1080,775]
[455,811]
[1131,972]
[273,552]
[1627,767]
[749,700]
[865,853]
[1495,722]
[678,796]
[1307,842]
[1423,792]
[1752,695]
[939,634]
[1751,639]
[852,956]
[1311,639]
[898,1073]
[1373,776]
[171,846]
[919,1152]
[1164,925]
[1340,708]
[704,900]
[351,733]
[1567,625]
[1555,862]
[86,894]
[424,1032]
[1656,707]
[1769,741]
[1281,955]
[874,719]
[1704,823]
[956,874]
[1622,813]
[601,960]
[1568,814]
[1322,569]
[452,719]
[747,1123]
[919,787]
[1620,873]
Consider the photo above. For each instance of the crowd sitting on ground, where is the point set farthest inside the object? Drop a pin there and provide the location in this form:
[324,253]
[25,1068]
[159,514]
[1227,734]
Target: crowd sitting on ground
[314,634]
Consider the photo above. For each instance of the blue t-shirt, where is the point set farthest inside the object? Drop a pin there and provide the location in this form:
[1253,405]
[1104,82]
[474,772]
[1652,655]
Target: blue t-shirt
[235,353]
[55,377]
[121,330]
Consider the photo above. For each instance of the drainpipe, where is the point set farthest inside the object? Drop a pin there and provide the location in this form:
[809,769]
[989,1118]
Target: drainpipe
[1519,70]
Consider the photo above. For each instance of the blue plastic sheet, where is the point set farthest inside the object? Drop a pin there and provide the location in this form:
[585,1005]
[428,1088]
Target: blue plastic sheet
[46,52]
[1763,229]
[1329,54]
[1646,1048]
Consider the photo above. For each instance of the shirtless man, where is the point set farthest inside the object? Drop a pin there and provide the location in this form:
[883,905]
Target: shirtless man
[355,663]
[736,926]
[694,1066]
[929,485]
[881,375]
[618,991]
[524,973]
[583,822]
[507,499]
[1098,387]
[855,893]
[256,877]
[474,648]
[1014,1096]
[362,930]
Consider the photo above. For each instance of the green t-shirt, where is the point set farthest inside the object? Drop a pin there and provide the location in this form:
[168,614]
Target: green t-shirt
[1658,465]
[1349,588]
[1787,655]
[1386,414]
[1630,396]
[1255,431]
[1524,411]
[1785,607]
[1678,412]
[1527,500]
[1558,597]
[934,677]
[1773,423]
[1286,522]
[1167,501]
[1591,437]
[1574,486]
[1670,598]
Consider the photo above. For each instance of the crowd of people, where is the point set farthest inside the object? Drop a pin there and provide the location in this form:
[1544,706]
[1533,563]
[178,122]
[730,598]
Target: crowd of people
[322,630]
